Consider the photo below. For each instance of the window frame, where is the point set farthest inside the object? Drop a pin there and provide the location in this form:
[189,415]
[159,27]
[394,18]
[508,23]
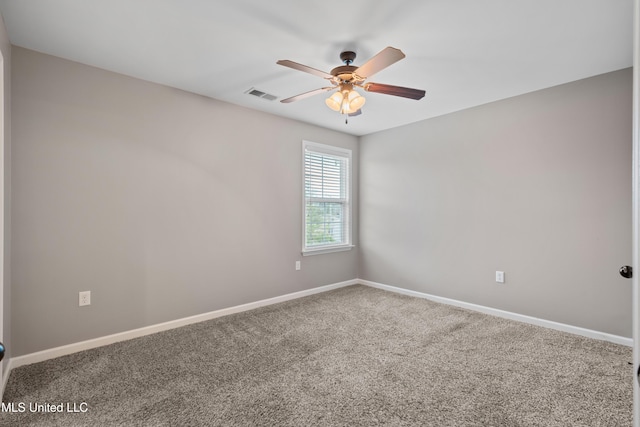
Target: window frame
[345,153]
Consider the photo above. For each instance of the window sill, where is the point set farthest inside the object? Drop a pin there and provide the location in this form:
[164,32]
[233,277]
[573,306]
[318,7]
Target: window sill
[326,250]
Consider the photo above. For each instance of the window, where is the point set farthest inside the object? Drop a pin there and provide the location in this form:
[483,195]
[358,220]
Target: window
[327,213]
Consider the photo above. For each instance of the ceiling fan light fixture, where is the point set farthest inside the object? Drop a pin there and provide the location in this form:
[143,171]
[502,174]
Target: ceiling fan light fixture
[346,100]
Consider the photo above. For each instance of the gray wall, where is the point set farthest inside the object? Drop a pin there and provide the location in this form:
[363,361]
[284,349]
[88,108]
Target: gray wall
[5,48]
[162,203]
[538,186]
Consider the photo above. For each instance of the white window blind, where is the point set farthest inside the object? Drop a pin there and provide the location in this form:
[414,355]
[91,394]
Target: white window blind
[327,215]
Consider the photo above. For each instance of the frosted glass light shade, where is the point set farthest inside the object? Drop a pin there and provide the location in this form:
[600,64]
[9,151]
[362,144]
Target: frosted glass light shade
[335,101]
[355,101]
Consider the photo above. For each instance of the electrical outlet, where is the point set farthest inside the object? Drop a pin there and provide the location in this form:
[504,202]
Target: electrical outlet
[84,298]
[500,276]
[297,265]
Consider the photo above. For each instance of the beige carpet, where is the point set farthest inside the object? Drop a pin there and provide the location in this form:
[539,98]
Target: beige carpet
[356,356]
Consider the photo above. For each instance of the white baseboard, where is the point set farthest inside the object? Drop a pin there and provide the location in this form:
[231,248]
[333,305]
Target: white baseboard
[507,315]
[52,353]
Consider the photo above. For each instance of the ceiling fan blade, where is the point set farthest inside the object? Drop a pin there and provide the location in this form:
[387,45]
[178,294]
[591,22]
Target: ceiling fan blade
[404,92]
[307,94]
[384,58]
[304,68]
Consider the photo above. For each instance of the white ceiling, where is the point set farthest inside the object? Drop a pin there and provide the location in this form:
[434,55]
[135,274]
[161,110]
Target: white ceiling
[462,52]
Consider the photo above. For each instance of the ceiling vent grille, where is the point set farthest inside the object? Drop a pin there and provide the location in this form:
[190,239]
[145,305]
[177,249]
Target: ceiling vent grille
[260,94]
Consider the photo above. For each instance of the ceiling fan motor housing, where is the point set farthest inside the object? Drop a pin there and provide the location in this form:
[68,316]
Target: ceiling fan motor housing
[345,72]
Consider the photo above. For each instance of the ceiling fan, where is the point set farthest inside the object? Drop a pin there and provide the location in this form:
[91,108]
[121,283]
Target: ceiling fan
[347,77]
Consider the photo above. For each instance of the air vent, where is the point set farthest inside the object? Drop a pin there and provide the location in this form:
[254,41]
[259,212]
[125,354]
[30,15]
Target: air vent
[261,94]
